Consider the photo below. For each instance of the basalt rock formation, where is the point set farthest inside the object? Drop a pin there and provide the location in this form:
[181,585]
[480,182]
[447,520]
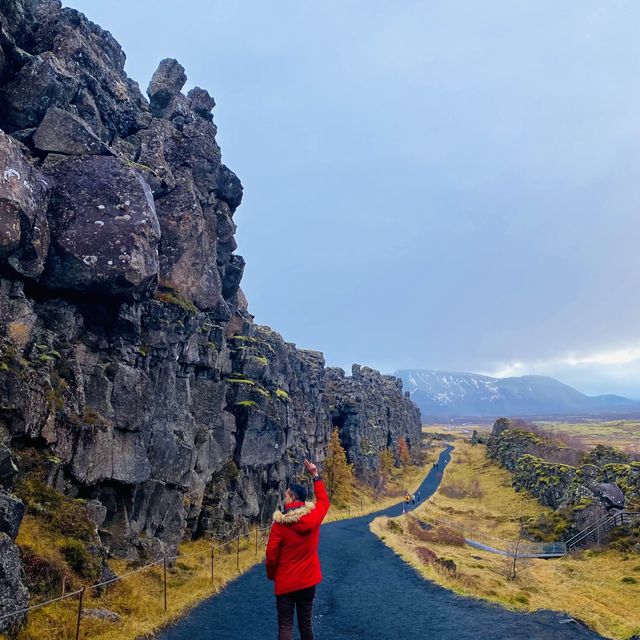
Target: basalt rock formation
[584,486]
[130,366]
[368,409]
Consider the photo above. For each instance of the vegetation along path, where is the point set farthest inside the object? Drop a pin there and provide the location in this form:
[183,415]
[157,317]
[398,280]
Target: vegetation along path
[368,592]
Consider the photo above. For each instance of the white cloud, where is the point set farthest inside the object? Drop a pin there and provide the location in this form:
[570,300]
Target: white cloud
[615,370]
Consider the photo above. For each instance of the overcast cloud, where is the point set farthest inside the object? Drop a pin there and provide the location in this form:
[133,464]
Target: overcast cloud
[449,185]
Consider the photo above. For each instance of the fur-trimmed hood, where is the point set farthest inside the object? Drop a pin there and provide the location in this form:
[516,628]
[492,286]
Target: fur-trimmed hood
[293,515]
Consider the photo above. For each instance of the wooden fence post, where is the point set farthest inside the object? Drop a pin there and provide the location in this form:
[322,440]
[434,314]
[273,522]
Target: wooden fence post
[256,540]
[81,598]
[164,566]
[238,554]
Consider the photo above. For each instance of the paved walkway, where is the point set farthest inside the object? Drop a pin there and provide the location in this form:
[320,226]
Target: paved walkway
[369,594]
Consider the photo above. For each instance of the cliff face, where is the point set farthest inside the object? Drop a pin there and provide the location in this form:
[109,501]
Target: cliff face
[601,480]
[128,360]
[372,414]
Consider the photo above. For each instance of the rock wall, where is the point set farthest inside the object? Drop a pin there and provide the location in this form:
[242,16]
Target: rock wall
[128,358]
[372,414]
[605,478]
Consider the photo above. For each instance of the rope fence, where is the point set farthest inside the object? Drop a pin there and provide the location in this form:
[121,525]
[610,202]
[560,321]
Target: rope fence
[161,562]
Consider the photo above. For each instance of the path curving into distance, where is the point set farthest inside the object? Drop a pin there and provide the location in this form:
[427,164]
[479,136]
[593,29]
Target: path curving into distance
[369,593]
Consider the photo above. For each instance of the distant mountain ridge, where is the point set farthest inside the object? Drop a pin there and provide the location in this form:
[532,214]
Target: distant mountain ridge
[455,394]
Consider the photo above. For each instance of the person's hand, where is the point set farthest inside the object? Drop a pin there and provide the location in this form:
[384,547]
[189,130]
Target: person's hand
[311,468]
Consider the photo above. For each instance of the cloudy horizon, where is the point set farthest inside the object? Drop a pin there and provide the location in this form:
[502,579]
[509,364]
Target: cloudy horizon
[442,185]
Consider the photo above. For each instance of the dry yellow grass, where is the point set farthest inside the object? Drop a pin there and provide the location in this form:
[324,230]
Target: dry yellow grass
[139,598]
[588,586]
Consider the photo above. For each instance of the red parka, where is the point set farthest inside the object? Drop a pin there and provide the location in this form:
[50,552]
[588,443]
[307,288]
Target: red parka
[292,551]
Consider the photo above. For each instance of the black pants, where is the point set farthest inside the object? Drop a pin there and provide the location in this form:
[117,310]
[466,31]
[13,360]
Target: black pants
[302,602]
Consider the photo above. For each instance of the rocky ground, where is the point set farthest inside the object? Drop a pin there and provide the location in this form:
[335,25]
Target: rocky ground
[132,375]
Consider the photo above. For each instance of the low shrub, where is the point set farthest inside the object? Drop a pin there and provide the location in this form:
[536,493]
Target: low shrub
[426,555]
[446,566]
[169,297]
[439,534]
[547,527]
[454,490]
[62,513]
[457,489]
[80,559]
[394,527]
[44,576]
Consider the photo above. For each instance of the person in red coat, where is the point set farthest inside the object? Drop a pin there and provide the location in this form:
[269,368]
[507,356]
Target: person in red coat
[292,555]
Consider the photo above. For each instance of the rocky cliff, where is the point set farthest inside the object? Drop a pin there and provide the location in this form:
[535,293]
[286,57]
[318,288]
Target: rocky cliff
[130,367]
[583,485]
[366,408]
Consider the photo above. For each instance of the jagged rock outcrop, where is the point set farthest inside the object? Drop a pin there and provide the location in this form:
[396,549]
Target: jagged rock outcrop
[13,594]
[371,413]
[128,360]
[11,512]
[603,481]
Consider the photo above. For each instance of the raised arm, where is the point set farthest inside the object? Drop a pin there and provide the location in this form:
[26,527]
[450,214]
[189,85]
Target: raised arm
[322,499]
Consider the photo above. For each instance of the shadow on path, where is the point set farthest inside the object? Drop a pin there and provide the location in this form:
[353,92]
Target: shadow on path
[368,592]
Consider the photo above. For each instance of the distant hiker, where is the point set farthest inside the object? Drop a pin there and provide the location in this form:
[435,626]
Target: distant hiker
[417,496]
[292,555]
[407,499]
[413,500]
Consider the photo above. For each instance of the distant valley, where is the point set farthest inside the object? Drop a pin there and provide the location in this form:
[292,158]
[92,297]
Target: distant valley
[449,394]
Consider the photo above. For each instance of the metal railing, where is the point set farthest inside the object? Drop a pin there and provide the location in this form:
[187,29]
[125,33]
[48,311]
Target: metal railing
[161,562]
[604,525]
[520,549]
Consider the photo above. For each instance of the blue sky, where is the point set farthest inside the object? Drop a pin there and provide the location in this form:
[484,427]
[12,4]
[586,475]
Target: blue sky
[449,185]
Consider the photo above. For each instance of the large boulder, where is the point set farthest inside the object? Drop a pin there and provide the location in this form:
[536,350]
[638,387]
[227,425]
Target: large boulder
[62,132]
[13,594]
[8,469]
[166,82]
[41,83]
[229,187]
[24,231]
[189,238]
[201,102]
[609,494]
[11,513]
[500,425]
[104,228]
[110,102]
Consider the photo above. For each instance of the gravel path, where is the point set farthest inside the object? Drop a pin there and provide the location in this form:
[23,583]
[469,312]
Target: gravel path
[369,593]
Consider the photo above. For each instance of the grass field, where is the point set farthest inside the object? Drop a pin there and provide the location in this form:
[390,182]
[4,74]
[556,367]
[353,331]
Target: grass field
[602,588]
[624,434]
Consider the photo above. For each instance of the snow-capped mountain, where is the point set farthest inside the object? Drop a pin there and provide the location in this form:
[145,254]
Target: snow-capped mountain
[451,394]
